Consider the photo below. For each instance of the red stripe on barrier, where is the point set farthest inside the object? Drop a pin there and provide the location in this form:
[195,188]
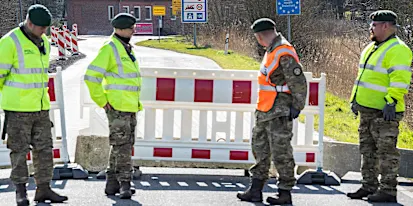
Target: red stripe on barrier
[238,155]
[201,154]
[241,92]
[133,151]
[165,89]
[309,157]
[29,157]
[51,91]
[56,153]
[162,152]
[204,90]
[313,98]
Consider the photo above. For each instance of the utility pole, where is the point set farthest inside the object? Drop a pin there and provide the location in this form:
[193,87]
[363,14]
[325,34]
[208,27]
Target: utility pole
[21,11]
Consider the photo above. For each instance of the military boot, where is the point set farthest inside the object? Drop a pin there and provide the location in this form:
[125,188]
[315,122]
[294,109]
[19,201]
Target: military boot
[21,195]
[125,191]
[381,197]
[44,192]
[254,192]
[283,197]
[359,194]
[112,186]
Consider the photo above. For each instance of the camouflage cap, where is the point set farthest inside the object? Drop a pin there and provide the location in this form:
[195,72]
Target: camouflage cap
[262,24]
[384,15]
[123,21]
[39,15]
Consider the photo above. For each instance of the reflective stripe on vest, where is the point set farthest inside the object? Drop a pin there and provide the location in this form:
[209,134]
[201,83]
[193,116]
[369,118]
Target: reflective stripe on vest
[122,87]
[23,70]
[278,88]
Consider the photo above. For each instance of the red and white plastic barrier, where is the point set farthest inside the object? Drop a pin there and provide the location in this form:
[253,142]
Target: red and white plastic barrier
[207,116]
[74,28]
[61,45]
[57,116]
[75,47]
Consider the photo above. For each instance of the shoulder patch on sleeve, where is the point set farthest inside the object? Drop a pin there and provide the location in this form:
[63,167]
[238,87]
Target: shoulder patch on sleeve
[297,71]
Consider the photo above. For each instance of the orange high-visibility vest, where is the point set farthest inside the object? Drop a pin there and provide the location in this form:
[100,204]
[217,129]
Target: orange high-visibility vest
[267,90]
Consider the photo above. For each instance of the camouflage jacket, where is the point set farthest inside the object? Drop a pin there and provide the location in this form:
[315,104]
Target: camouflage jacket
[291,72]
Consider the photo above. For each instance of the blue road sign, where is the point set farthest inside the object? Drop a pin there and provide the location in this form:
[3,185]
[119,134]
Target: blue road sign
[194,11]
[288,7]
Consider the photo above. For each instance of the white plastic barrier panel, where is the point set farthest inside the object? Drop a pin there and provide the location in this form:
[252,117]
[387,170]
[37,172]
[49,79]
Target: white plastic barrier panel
[206,116]
[57,116]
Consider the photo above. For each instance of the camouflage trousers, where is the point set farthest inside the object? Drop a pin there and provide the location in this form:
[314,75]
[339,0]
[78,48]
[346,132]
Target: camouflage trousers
[27,129]
[271,140]
[121,139]
[378,140]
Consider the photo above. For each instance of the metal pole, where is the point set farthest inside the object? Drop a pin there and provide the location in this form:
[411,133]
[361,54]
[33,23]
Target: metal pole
[289,27]
[21,11]
[195,35]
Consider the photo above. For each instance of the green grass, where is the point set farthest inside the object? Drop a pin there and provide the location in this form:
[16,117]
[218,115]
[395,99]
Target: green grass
[229,61]
[339,122]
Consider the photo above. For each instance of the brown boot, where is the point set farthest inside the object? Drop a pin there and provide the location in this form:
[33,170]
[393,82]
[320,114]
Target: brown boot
[44,192]
[125,191]
[21,195]
[283,197]
[359,194]
[254,192]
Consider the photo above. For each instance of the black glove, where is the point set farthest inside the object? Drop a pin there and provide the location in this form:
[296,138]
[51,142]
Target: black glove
[294,113]
[389,112]
[354,110]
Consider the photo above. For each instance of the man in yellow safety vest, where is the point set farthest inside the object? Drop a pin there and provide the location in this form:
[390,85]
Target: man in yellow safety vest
[378,95]
[24,62]
[117,69]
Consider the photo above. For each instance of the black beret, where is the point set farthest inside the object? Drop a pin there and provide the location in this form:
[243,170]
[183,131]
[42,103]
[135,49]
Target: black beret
[262,24]
[384,15]
[123,21]
[39,15]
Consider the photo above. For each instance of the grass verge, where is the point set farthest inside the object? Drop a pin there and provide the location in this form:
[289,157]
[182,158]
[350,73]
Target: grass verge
[339,122]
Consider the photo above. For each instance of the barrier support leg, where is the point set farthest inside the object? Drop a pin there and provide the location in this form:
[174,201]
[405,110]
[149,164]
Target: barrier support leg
[319,176]
[67,170]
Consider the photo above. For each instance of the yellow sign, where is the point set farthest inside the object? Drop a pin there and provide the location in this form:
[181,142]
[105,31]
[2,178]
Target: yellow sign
[176,6]
[159,11]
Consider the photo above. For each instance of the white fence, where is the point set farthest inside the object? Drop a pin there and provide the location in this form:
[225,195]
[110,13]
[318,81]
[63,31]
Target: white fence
[206,116]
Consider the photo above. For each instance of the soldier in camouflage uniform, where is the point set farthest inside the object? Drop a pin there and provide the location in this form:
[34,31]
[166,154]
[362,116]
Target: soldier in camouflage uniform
[24,62]
[117,68]
[378,95]
[282,95]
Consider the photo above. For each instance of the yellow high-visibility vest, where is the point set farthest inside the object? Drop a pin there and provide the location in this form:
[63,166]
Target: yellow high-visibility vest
[113,77]
[23,73]
[384,74]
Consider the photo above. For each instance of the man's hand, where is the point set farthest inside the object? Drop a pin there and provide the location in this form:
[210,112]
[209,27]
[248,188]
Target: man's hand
[389,112]
[294,113]
[107,107]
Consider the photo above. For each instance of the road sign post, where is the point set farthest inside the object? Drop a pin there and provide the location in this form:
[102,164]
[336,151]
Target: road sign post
[159,11]
[288,8]
[194,11]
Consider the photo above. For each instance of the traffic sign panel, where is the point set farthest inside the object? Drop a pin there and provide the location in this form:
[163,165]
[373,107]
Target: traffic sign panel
[159,10]
[176,6]
[194,11]
[288,7]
